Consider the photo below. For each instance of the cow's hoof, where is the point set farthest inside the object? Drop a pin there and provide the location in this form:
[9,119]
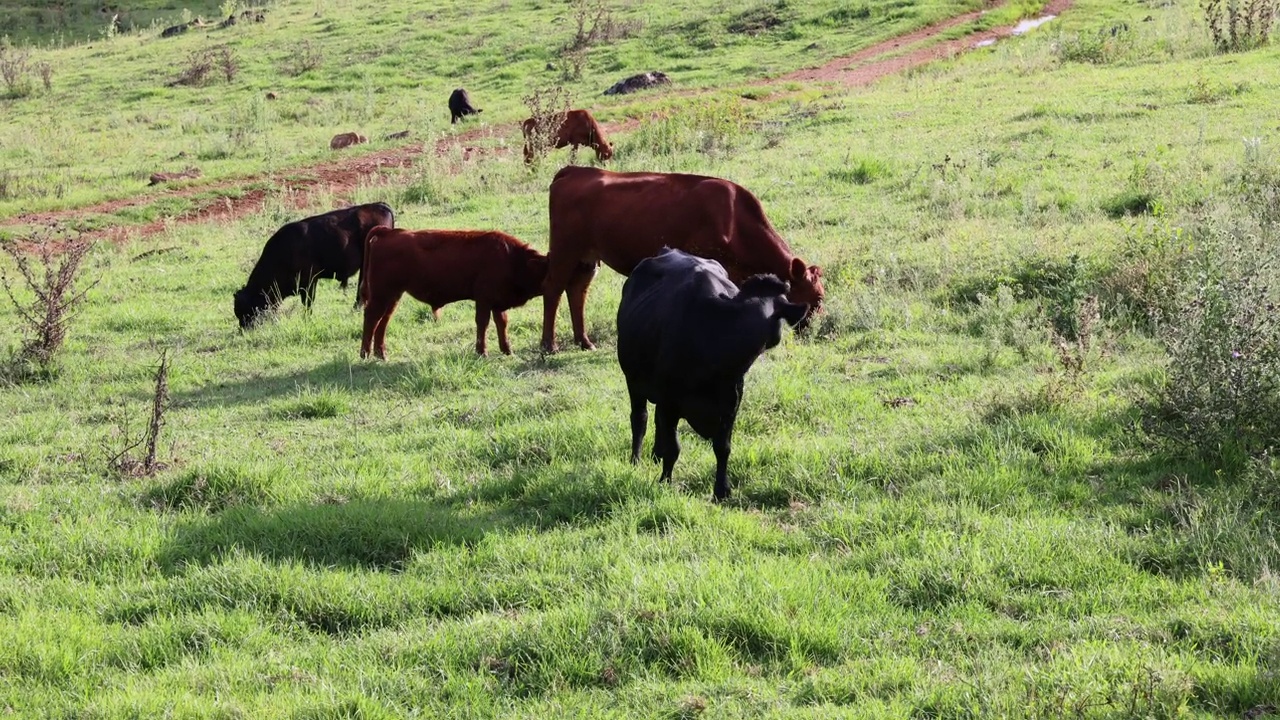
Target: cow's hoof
[586,344]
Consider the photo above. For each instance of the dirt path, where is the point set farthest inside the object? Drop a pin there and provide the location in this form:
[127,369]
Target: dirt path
[343,175]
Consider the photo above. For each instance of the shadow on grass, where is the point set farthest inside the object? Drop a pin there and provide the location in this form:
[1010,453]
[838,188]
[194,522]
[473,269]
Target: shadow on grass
[384,534]
[378,534]
[356,376]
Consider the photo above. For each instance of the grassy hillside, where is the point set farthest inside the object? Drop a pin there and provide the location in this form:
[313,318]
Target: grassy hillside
[113,116]
[63,22]
[939,511]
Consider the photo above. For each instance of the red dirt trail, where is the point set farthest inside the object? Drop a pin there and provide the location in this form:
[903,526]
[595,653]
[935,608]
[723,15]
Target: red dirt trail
[344,174]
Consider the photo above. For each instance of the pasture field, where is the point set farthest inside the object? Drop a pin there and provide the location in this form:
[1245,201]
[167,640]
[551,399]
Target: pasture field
[939,511]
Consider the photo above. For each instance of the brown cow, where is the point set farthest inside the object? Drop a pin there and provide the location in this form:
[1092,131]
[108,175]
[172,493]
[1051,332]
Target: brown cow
[578,128]
[438,267]
[623,218]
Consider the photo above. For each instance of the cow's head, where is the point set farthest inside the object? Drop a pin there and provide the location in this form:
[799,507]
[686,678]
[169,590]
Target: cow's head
[806,287]
[773,292]
[249,306]
[605,150]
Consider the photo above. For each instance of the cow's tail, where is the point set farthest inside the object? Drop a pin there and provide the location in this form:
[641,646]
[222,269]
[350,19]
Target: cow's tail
[365,278]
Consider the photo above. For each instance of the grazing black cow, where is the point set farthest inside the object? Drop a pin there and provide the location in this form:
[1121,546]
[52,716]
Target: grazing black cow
[460,105]
[686,338]
[323,247]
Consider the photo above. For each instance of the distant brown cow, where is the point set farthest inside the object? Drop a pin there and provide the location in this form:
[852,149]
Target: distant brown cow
[342,140]
[623,218]
[578,128]
[438,267]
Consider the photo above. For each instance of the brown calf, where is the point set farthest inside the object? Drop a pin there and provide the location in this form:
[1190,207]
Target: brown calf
[578,128]
[342,140]
[438,267]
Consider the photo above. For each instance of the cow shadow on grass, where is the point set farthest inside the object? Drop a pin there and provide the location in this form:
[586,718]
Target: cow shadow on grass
[357,376]
[376,534]
[385,534]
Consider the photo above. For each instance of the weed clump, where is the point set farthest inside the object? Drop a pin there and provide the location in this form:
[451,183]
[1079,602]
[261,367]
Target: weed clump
[123,460]
[760,19]
[712,128]
[14,64]
[52,283]
[1238,25]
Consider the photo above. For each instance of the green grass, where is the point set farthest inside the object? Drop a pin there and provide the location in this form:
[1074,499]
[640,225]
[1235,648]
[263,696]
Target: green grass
[931,519]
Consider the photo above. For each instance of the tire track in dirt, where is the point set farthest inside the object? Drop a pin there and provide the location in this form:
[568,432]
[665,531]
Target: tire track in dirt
[343,175]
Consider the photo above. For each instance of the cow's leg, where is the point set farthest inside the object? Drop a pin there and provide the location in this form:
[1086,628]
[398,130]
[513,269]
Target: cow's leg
[578,286]
[720,445]
[504,342]
[665,441]
[559,273]
[482,327]
[380,329]
[639,419]
[375,315]
[720,442]
[359,291]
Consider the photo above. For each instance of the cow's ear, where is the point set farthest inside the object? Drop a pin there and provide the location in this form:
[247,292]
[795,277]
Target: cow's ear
[797,269]
[815,271]
[793,313]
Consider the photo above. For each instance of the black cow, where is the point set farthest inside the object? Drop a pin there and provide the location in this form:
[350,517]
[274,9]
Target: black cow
[460,105]
[323,247]
[686,338]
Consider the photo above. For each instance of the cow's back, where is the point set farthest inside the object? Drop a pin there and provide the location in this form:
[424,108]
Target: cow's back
[661,323]
[627,217]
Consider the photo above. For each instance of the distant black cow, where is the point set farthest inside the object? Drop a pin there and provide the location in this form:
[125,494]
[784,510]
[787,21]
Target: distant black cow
[323,247]
[460,105]
[686,338]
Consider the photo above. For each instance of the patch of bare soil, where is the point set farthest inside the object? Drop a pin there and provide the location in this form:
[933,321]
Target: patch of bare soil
[340,177]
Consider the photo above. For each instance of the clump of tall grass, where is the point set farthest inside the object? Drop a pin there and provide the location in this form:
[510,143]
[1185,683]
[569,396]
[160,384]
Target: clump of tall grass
[714,128]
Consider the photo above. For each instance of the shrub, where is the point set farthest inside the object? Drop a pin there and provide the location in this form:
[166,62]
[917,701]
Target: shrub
[548,108]
[1236,25]
[55,297]
[305,56]
[1221,395]
[201,64]
[13,69]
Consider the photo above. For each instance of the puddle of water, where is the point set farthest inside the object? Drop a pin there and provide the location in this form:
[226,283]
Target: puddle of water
[1029,25]
[985,43]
